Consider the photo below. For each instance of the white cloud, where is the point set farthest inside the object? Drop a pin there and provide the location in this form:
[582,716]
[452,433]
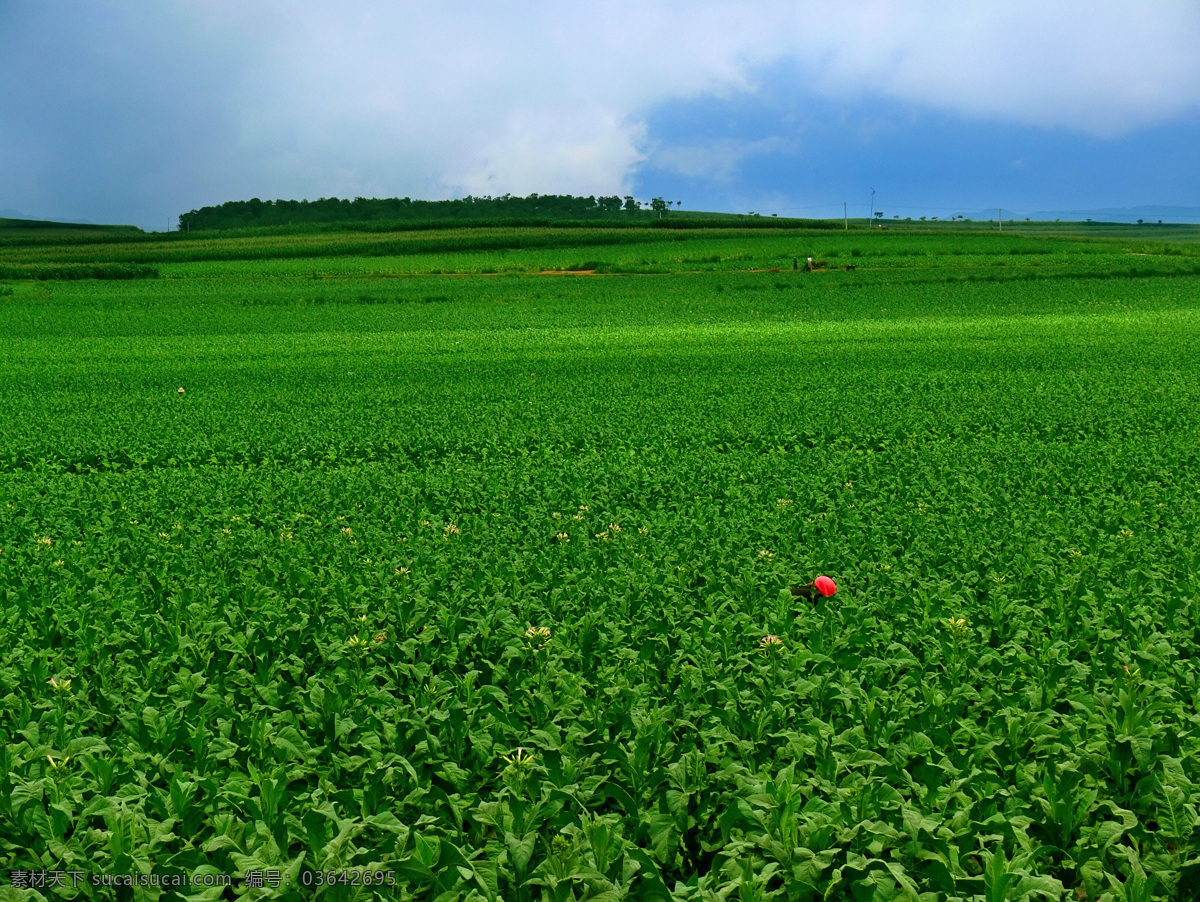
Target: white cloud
[719,160]
[582,150]
[520,96]
[478,97]
[1104,67]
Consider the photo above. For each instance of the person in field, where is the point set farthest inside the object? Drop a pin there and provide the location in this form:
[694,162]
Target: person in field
[821,587]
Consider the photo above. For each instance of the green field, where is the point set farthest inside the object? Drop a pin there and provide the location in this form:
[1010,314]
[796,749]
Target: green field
[441,564]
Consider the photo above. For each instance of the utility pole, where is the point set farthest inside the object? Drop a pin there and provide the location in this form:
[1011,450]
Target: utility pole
[1000,218]
[846,216]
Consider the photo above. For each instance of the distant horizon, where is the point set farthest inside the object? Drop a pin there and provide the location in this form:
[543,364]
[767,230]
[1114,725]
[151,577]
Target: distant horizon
[1150,214]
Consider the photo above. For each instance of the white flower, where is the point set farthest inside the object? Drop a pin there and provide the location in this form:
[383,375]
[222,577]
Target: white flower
[537,637]
[770,644]
[519,759]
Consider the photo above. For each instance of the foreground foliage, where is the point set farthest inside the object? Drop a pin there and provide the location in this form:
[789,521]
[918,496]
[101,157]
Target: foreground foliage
[463,583]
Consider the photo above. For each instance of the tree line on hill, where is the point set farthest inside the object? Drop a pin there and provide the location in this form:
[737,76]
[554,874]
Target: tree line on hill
[251,213]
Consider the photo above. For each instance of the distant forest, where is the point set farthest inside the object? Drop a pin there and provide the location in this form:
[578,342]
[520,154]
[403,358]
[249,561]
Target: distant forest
[237,214]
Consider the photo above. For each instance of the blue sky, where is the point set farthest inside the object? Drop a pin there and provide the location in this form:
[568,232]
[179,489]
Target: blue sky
[137,111]
[920,161]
